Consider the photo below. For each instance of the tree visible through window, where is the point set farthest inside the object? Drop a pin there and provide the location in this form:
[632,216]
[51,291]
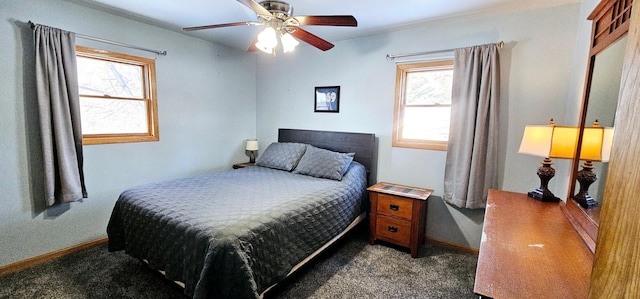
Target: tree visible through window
[423,105]
[117,97]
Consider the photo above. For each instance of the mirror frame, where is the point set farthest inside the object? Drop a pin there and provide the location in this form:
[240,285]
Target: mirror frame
[610,22]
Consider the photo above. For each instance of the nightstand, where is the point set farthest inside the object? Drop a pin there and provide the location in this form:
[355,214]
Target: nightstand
[398,215]
[242,165]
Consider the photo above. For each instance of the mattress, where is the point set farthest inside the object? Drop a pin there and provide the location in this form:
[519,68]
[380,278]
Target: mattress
[232,234]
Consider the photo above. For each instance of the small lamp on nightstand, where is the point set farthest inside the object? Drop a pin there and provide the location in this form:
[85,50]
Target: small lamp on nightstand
[252,147]
[548,142]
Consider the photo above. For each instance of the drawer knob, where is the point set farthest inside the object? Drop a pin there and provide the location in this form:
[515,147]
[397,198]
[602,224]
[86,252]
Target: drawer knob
[392,229]
[394,207]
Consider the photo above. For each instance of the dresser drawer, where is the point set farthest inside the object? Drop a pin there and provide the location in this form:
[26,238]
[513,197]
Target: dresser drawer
[395,229]
[395,206]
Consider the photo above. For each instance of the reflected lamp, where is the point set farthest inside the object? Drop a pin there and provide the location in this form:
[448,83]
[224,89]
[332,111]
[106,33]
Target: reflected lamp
[596,147]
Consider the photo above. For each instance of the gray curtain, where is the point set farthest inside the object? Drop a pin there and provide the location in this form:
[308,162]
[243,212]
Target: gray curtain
[472,157]
[59,109]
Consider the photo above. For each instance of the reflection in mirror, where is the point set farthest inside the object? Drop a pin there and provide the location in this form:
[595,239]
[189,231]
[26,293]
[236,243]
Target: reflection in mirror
[603,100]
[610,25]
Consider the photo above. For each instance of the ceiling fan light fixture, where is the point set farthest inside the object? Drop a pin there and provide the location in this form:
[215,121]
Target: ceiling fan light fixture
[278,15]
[262,47]
[279,9]
[289,43]
[267,40]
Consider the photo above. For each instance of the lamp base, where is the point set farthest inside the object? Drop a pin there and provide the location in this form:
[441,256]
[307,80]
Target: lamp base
[585,200]
[586,177]
[543,195]
[545,173]
[252,157]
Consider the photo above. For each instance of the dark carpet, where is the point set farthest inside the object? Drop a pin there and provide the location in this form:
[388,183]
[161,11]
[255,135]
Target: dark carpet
[350,269]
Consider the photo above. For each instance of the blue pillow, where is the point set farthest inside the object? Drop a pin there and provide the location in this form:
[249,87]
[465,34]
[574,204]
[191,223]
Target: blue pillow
[282,155]
[322,163]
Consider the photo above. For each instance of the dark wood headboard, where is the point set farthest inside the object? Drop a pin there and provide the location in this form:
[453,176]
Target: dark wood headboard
[362,144]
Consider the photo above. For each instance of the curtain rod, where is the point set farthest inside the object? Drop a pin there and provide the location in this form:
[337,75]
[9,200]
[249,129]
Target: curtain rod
[394,56]
[106,41]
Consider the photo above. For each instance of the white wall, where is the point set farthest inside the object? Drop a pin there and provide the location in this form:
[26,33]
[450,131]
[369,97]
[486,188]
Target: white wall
[536,66]
[206,103]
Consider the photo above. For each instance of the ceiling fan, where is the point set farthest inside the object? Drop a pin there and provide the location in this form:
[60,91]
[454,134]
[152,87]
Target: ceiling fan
[277,17]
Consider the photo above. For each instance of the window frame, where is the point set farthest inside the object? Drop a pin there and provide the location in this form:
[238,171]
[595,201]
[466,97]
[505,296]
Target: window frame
[402,70]
[150,97]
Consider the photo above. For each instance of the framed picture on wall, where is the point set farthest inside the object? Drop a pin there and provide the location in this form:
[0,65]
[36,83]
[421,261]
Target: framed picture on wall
[327,99]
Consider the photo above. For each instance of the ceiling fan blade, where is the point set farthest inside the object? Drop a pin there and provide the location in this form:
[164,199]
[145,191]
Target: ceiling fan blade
[311,39]
[252,46]
[257,8]
[327,20]
[215,26]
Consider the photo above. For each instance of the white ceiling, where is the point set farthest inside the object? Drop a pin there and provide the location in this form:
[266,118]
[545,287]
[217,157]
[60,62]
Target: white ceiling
[374,16]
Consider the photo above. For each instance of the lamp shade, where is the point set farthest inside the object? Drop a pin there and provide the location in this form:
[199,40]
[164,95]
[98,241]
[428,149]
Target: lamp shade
[560,142]
[549,141]
[288,42]
[596,144]
[267,40]
[252,145]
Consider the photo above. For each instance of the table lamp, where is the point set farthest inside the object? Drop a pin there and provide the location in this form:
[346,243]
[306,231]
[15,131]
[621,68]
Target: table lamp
[548,141]
[596,147]
[252,147]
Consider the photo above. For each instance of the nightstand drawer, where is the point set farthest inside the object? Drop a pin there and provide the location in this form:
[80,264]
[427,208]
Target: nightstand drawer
[395,206]
[396,229]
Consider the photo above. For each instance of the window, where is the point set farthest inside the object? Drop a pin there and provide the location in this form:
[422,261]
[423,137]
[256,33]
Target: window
[423,105]
[117,97]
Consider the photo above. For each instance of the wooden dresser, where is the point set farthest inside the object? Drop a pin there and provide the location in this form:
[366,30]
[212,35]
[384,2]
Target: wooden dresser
[530,250]
[398,214]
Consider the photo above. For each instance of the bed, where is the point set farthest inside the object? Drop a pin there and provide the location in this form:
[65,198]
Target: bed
[237,233]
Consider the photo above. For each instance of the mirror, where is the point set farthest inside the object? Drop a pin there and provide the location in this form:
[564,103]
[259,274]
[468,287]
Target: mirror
[601,92]
[603,101]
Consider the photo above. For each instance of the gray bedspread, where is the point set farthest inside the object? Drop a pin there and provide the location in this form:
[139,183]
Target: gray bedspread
[232,234]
